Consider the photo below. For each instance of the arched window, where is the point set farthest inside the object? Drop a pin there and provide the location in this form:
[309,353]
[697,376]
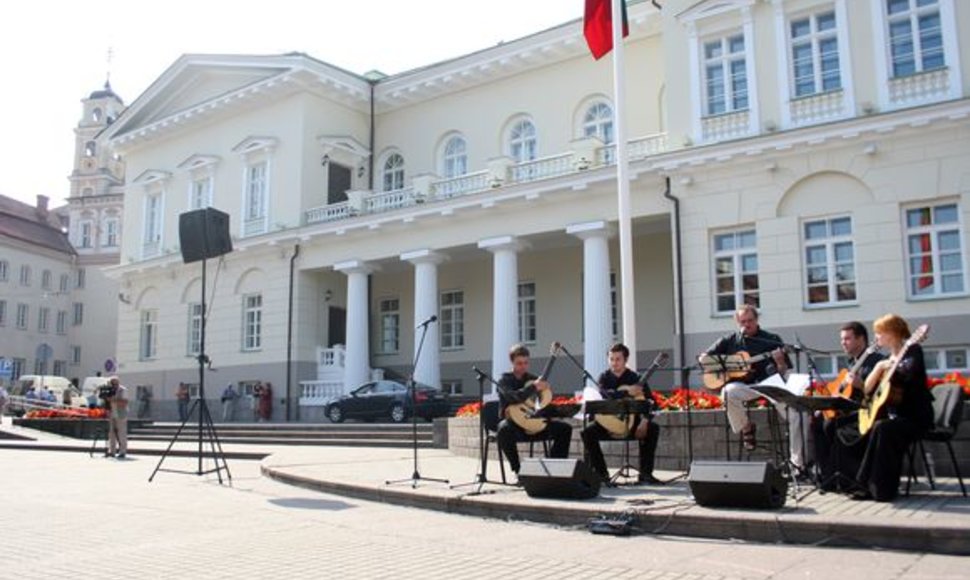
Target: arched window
[96,115]
[90,149]
[522,141]
[598,122]
[392,173]
[454,160]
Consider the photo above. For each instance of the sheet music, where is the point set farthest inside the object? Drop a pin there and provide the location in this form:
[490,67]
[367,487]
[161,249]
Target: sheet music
[796,384]
[589,394]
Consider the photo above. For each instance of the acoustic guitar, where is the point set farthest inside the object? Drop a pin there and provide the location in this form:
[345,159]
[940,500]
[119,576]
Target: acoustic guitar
[721,369]
[521,413]
[874,406]
[841,386]
[620,427]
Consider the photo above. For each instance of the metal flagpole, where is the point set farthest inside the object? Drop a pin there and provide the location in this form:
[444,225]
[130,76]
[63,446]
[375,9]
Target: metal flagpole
[623,186]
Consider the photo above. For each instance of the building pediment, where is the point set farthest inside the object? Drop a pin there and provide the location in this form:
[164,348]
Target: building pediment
[152,176]
[709,8]
[199,161]
[343,143]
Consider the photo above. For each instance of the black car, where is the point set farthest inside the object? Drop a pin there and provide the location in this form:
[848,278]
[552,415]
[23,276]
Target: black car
[387,400]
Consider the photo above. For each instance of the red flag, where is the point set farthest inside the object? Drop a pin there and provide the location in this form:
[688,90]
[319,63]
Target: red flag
[598,26]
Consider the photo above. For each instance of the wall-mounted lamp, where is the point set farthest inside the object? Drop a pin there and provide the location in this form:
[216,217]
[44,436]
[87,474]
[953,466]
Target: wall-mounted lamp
[327,295]
[582,164]
[325,160]
[360,171]
[870,149]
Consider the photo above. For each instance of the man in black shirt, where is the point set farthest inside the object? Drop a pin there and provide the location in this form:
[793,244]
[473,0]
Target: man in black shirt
[513,388]
[750,338]
[645,431]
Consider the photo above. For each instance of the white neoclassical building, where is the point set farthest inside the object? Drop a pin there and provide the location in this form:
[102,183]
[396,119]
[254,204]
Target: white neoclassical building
[808,156]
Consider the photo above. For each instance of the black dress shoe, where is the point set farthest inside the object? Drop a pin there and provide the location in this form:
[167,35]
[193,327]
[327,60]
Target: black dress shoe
[649,479]
[860,495]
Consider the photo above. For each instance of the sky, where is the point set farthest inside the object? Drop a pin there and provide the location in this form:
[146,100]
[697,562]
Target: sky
[55,52]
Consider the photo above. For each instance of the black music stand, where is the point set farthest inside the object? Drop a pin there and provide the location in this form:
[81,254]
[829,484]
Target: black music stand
[481,478]
[622,408]
[412,388]
[685,378]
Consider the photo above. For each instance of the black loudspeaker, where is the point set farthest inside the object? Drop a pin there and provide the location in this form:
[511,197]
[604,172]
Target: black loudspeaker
[558,478]
[203,234]
[752,484]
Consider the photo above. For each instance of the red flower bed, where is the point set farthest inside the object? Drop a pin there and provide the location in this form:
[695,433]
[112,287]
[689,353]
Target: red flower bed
[67,414]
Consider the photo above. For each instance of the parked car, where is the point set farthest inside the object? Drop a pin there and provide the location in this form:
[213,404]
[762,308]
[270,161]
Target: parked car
[56,385]
[387,400]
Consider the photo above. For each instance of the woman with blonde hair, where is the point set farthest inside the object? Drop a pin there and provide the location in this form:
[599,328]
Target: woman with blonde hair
[908,414]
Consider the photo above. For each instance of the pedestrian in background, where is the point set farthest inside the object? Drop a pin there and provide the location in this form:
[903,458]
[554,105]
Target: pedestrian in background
[117,419]
[182,398]
[229,396]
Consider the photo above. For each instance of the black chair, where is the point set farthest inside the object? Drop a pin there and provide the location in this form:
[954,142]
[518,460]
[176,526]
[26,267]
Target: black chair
[947,414]
[491,419]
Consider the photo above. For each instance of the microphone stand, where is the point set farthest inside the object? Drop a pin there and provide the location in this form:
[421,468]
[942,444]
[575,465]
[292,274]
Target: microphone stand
[685,376]
[481,478]
[416,476]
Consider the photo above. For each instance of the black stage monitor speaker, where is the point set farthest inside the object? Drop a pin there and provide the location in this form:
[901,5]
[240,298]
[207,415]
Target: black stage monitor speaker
[752,484]
[558,478]
[203,234]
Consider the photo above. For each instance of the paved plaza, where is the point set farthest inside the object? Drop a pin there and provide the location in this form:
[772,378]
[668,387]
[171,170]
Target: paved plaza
[66,515]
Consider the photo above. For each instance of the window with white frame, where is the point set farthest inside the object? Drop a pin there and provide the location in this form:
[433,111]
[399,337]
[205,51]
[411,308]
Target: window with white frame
[78,313]
[149,334]
[3,312]
[452,319]
[65,281]
[725,75]
[522,141]
[452,386]
[200,193]
[19,364]
[735,270]
[4,270]
[390,312]
[256,187]
[829,261]
[392,173]
[934,251]
[61,324]
[46,279]
[153,223]
[80,278]
[815,54]
[252,321]
[75,355]
[454,158]
[527,312]
[43,318]
[85,234]
[60,368]
[598,122]
[110,232]
[915,36]
[25,275]
[40,367]
[194,343]
[22,312]
[945,359]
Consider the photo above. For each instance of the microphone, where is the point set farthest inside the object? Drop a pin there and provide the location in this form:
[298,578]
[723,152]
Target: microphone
[478,372]
[433,318]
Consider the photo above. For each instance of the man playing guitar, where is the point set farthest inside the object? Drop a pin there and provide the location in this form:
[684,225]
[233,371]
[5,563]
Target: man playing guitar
[754,341]
[645,431]
[854,340]
[513,388]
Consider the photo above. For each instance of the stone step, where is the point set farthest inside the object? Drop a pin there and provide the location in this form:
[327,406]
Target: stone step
[287,434]
[344,442]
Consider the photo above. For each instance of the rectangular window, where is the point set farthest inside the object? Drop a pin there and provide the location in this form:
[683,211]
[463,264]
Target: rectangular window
[79,278]
[111,233]
[43,318]
[84,237]
[40,367]
[3,312]
[22,313]
[78,313]
[452,387]
[255,207]
[452,319]
[527,312]
[19,364]
[945,360]
[725,75]
[915,36]
[735,270]
[75,355]
[201,193]
[149,334]
[815,54]
[61,321]
[153,220]
[252,322]
[195,329]
[46,279]
[934,251]
[390,325]
[65,282]
[25,275]
[60,368]
[4,267]
[829,261]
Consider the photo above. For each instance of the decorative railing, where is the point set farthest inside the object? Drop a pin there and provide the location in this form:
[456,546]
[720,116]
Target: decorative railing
[817,108]
[647,146]
[389,200]
[254,226]
[331,357]
[151,249]
[546,167]
[318,393]
[726,126]
[461,185]
[606,155]
[328,213]
[921,87]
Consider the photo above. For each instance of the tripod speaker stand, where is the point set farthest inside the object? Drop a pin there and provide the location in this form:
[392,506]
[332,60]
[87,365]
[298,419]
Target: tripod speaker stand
[481,478]
[203,234]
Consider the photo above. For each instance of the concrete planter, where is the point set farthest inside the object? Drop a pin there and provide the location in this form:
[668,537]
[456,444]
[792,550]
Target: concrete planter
[75,428]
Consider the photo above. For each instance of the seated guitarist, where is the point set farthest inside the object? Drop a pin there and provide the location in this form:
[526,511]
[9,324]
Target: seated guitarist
[854,340]
[512,389]
[752,339]
[645,431]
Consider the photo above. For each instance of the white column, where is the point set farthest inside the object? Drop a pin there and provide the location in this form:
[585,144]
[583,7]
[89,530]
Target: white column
[357,359]
[428,369]
[505,297]
[597,313]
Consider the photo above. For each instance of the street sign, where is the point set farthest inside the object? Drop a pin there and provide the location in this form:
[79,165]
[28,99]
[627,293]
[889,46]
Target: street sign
[109,365]
[6,369]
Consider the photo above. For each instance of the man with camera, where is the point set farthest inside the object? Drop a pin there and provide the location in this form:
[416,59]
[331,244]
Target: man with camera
[115,397]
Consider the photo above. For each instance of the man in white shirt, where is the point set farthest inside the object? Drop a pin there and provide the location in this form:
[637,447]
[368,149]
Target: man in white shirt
[118,419]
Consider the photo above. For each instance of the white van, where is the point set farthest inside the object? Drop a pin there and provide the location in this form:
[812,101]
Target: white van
[56,385]
[89,390]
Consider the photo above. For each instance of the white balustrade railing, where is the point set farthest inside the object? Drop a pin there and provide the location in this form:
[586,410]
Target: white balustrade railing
[317,393]
[920,87]
[461,185]
[332,357]
[726,126]
[817,108]
[151,249]
[389,200]
[646,146]
[327,213]
[543,168]
[254,226]
[606,155]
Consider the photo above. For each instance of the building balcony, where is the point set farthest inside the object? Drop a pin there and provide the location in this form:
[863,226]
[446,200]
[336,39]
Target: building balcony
[817,108]
[924,87]
[726,126]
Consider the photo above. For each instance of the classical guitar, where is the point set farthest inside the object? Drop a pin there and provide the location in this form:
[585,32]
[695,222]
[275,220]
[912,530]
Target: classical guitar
[721,369]
[620,427]
[874,405]
[521,413]
[841,386]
